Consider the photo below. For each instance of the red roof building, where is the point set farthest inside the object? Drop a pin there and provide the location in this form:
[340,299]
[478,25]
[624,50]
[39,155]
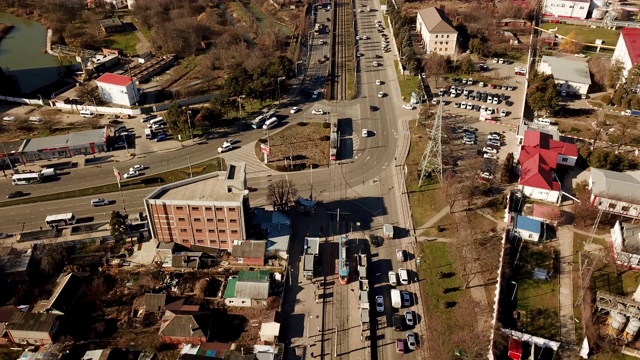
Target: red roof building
[627,50]
[114,79]
[117,89]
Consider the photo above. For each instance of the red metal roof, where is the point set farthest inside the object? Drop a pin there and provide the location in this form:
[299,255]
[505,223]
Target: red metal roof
[545,141]
[515,349]
[535,172]
[631,37]
[114,79]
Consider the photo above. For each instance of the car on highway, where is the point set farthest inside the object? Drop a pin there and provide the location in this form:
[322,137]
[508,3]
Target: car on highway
[408,318]
[224,148]
[99,202]
[131,174]
[294,110]
[408,106]
[230,141]
[16,194]
[406,299]
[379,304]
[381,94]
[411,340]
[317,112]
[137,168]
[489,150]
[393,280]
[378,82]
[365,133]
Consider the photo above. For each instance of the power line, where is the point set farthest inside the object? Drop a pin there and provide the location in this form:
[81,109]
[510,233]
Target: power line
[432,158]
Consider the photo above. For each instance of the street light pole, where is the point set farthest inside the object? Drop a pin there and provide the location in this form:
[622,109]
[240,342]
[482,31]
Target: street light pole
[240,106]
[279,79]
[189,119]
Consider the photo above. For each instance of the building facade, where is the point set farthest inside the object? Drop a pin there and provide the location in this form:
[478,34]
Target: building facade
[64,146]
[566,9]
[437,32]
[117,89]
[207,211]
[627,51]
[615,192]
[32,328]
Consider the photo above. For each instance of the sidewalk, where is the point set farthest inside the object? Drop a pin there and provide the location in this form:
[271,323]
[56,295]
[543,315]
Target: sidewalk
[567,322]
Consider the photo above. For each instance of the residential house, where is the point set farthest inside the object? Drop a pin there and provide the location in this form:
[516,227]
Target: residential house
[67,291]
[529,229]
[276,229]
[186,260]
[154,303]
[566,9]
[165,251]
[111,26]
[118,89]
[205,211]
[248,252]
[205,351]
[539,157]
[627,51]
[270,328]
[571,76]
[249,288]
[15,264]
[6,313]
[625,239]
[32,328]
[118,354]
[615,192]
[515,23]
[179,306]
[184,328]
[437,31]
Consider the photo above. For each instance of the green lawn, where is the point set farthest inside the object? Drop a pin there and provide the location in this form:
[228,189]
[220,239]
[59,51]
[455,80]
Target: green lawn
[266,22]
[408,83]
[586,34]
[126,42]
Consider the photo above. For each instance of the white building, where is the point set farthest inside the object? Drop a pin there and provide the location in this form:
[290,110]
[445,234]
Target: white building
[437,31]
[529,229]
[615,192]
[117,89]
[627,50]
[570,75]
[625,240]
[566,9]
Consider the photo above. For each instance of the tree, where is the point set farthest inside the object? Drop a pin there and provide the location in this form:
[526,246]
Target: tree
[435,65]
[476,46]
[281,193]
[89,93]
[624,132]
[507,168]
[614,74]
[570,44]
[542,95]
[451,184]
[52,257]
[466,65]
[51,118]
[176,118]
[582,210]
[118,227]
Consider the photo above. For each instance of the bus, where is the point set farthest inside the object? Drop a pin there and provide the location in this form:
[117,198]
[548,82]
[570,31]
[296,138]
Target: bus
[259,121]
[60,220]
[26,178]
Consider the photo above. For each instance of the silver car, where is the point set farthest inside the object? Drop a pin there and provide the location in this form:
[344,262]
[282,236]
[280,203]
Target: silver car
[411,340]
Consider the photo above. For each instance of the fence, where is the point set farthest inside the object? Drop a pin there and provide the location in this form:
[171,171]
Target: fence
[21,100]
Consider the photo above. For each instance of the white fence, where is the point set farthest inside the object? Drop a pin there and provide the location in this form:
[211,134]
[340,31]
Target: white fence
[21,100]
[95,109]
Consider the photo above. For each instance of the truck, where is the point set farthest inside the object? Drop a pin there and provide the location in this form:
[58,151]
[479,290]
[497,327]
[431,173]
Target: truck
[333,142]
[387,230]
[362,266]
[48,172]
[631,112]
[396,301]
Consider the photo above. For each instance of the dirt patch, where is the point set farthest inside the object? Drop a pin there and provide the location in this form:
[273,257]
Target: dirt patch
[306,143]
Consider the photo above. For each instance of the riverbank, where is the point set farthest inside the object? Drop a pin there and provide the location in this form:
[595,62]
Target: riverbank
[5,29]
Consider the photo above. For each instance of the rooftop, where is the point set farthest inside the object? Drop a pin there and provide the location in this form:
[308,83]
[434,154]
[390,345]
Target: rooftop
[536,169]
[528,224]
[311,246]
[15,262]
[615,185]
[436,21]
[631,37]
[254,276]
[66,292]
[204,188]
[568,70]
[154,302]
[25,321]
[543,140]
[184,326]
[63,141]
[114,79]
[249,249]
[110,22]
[547,129]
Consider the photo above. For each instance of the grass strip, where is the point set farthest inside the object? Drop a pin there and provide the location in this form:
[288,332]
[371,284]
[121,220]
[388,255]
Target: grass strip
[167,177]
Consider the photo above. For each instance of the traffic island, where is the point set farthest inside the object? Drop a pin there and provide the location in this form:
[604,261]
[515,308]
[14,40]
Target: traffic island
[297,147]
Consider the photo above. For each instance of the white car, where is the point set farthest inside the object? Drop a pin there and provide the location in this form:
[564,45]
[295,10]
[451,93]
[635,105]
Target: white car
[481,84]
[493,137]
[463,105]
[379,304]
[408,318]
[490,156]
[230,141]
[501,61]
[317,112]
[375,63]
[137,168]
[9,118]
[131,174]
[224,148]
[503,112]
[378,82]
[400,255]
[365,133]
[408,106]
[393,280]
[404,276]
[489,111]
[495,60]
[486,175]
[381,94]
[494,142]
[489,150]
[365,37]
[294,110]
[469,106]
[423,75]
[321,42]
[358,38]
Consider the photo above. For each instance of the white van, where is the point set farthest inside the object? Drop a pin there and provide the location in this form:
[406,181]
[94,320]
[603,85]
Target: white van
[155,121]
[87,113]
[404,276]
[270,123]
[148,134]
[543,121]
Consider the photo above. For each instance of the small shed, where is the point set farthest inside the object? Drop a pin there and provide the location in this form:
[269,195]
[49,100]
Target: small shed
[154,303]
[270,328]
[529,229]
[248,252]
[111,26]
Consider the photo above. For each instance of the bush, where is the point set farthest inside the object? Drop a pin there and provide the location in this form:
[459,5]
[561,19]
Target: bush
[605,99]
[262,141]
[302,123]
[326,125]
[324,138]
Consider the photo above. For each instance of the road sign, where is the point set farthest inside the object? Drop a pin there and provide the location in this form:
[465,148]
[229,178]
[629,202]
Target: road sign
[265,149]
[116,173]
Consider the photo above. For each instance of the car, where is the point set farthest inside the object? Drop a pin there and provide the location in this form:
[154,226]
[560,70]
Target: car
[434,101]
[489,111]
[469,142]
[495,133]
[489,150]
[463,105]
[148,117]
[408,106]
[408,318]
[404,276]
[406,299]
[503,112]
[359,54]
[224,148]
[495,60]
[464,81]
[365,37]
[481,84]
[365,133]
[379,304]
[493,86]
[393,280]
[131,174]
[490,156]
[16,194]
[456,104]
[100,201]
[319,61]
[470,81]
[378,82]
[9,118]
[137,167]
[321,42]
[400,255]
[315,94]
[489,99]
[400,346]
[411,340]
[493,137]
[494,142]
[469,106]
[358,38]
[510,87]
[317,112]
[459,91]
[230,141]
[476,107]
[563,93]
[501,61]
[381,94]
[486,175]
[375,63]
[496,100]
[294,110]
[423,75]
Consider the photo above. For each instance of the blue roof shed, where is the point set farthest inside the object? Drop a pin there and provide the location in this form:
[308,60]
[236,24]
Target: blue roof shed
[529,224]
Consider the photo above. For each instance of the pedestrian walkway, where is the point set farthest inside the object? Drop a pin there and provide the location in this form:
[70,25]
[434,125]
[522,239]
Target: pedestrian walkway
[434,219]
[567,322]
[246,154]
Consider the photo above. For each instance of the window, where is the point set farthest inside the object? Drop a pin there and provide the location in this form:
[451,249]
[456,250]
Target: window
[219,209]
[181,219]
[222,231]
[447,36]
[232,209]
[200,241]
[625,208]
[562,5]
[195,208]
[564,159]
[234,231]
[186,241]
[212,231]
[208,208]
[581,7]
[199,231]
[220,221]
[209,220]
[197,219]
[183,230]
[223,241]
[233,221]
[570,6]
[612,206]
[179,208]
[436,36]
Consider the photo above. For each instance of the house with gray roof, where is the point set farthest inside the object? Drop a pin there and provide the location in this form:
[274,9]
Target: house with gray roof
[571,76]
[625,239]
[184,328]
[615,192]
[67,291]
[249,288]
[32,328]
[248,252]
[64,146]
[437,31]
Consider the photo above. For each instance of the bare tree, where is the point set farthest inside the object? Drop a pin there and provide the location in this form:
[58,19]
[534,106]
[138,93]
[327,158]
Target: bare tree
[582,210]
[89,93]
[451,184]
[624,132]
[281,193]
[51,257]
[570,44]
[51,118]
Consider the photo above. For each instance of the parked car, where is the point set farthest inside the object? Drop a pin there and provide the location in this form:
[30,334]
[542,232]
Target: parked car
[490,156]
[469,106]
[411,340]
[490,150]
[161,137]
[408,106]
[378,82]
[148,117]
[365,133]
[381,94]
[380,303]
[493,137]
[393,280]
[503,112]
[317,112]
[16,194]
[494,142]
[408,318]
[400,255]
[406,299]
[456,104]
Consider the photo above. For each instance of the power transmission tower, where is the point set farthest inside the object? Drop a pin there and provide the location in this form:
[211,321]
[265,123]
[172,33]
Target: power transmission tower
[432,158]
[590,262]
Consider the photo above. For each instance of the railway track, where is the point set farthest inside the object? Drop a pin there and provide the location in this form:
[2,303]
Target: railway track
[341,56]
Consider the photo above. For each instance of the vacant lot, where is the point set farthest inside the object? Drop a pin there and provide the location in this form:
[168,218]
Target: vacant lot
[586,34]
[306,143]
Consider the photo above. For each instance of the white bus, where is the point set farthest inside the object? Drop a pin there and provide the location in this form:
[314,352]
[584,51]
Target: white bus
[26,178]
[60,219]
[270,123]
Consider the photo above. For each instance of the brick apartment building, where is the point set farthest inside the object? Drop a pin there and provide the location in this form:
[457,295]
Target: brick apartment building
[204,211]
